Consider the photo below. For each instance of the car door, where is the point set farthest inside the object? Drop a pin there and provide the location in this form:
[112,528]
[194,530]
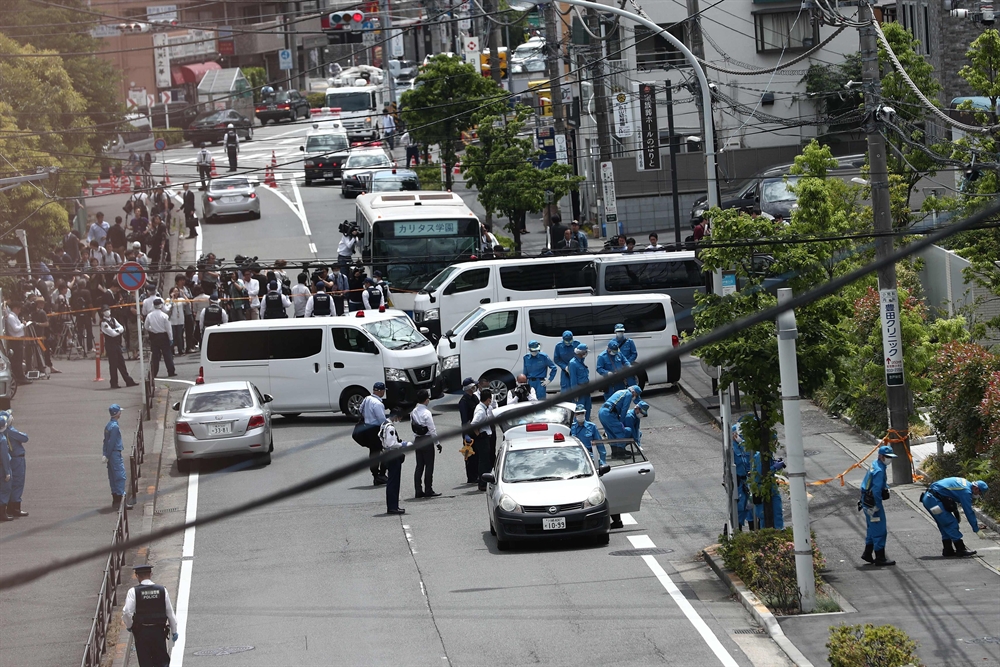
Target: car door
[354,363]
[628,480]
[466,292]
[298,370]
[491,343]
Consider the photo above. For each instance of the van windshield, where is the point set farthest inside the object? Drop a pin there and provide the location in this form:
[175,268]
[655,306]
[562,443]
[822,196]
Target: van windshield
[350,101]
[397,333]
[474,315]
[438,280]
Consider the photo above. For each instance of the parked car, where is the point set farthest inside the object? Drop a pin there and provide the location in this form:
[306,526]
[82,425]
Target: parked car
[324,153]
[284,104]
[222,419]
[212,127]
[358,164]
[232,195]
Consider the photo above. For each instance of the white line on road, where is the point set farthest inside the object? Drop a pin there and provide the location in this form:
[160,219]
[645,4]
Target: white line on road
[302,209]
[312,248]
[629,520]
[184,587]
[643,542]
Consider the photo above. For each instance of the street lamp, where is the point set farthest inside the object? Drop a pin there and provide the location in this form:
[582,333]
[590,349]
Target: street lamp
[706,93]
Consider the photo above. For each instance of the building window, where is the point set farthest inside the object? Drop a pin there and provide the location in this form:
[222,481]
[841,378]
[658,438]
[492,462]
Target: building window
[787,31]
[926,46]
[655,51]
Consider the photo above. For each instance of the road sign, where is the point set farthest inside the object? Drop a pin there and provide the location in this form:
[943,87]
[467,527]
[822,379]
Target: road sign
[608,185]
[471,52]
[160,145]
[131,277]
[562,156]
[366,25]
[285,59]
[166,97]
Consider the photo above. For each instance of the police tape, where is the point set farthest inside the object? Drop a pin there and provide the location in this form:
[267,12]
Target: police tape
[891,436]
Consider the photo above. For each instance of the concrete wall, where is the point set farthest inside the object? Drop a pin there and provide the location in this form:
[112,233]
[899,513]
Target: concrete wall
[948,294]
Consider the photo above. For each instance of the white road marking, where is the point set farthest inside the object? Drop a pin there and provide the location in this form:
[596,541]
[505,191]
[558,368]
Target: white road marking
[184,587]
[302,209]
[628,520]
[286,142]
[643,542]
[312,248]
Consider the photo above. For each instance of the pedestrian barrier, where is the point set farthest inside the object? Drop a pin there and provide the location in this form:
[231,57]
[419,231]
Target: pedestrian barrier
[135,460]
[150,388]
[107,599]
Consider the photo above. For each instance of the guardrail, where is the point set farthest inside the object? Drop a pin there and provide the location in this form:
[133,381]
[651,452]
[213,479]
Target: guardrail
[150,389]
[135,459]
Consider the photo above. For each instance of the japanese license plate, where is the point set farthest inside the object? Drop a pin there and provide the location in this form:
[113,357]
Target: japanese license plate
[327,174]
[220,429]
[559,523]
[231,200]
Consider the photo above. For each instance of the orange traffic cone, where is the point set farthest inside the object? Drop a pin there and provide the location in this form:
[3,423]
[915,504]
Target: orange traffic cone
[274,162]
[114,182]
[269,179]
[215,173]
[166,175]
[137,183]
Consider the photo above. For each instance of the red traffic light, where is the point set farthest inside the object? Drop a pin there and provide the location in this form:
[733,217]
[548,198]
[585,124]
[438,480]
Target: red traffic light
[357,17]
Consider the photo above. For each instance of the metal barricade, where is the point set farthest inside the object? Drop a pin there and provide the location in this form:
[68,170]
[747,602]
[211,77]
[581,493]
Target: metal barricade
[107,599]
[135,460]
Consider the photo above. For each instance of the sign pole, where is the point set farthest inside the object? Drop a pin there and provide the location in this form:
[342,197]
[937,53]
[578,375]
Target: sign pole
[138,337]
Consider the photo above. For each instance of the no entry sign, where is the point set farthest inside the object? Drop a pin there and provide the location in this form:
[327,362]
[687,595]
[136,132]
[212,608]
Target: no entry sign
[131,276]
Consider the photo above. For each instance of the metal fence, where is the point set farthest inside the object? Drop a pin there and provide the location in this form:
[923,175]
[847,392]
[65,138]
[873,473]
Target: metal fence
[135,462]
[150,389]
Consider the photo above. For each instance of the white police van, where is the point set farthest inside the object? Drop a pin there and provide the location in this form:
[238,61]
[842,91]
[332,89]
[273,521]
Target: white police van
[323,364]
[492,340]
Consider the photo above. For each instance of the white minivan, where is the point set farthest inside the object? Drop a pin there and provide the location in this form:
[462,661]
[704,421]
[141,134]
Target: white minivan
[323,364]
[492,340]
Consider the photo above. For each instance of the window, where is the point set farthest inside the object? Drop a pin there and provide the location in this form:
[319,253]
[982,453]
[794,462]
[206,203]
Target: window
[787,31]
[553,275]
[495,324]
[238,346]
[468,281]
[347,339]
[653,276]
[219,401]
[551,322]
[637,318]
[296,343]
[655,51]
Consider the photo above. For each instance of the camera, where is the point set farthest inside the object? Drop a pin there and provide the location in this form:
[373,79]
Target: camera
[348,228]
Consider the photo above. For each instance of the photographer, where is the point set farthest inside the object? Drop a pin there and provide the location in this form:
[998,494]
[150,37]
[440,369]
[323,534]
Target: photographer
[348,243]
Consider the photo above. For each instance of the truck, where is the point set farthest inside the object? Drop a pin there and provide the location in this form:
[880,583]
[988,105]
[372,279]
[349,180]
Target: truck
[360,93]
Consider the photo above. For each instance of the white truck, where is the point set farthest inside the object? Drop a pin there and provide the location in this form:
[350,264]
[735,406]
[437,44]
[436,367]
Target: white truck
[360,93]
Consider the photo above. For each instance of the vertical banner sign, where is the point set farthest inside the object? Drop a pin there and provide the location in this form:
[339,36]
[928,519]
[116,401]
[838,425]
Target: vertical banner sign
[650,132]
[623,115]
[562,155]
[728,283]
[608,186]
[470,52]
[892,338]
[161,60]
[396,42]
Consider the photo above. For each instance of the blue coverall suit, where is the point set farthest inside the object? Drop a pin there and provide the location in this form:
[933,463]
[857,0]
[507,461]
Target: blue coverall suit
[612,414]
[606,364]
[587,432]
[875,481]
[16,441]
[758,510]
[5,471]
[959,490]
[626,349]
[535,369]
[742,460]
[562,355]
[631,424]
[579,375]
[113,451]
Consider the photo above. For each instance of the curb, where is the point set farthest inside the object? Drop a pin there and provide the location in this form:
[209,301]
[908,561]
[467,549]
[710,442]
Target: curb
[760,613]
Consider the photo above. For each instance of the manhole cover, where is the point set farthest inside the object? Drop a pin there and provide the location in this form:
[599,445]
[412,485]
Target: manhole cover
[810,452]
[648,551]
[749,631]
[224,650]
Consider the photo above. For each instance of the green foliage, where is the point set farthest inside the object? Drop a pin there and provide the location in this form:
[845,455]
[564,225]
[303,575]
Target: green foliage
[316,100]
[173,136]
[765,561]
[257,79]
[828,83]
[870,646]
[960,374]
[939,466]
[429,175]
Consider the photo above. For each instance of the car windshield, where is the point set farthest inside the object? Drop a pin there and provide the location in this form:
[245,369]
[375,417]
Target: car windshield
[546,464]
[219,401]
[229,184]
[397,333]
[349,101]
[778,190]
[553,415]
[395,183]
[327,142]
[367,160]
[438,280]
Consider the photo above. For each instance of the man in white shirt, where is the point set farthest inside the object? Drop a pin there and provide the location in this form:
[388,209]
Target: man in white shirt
[484,442]
[301,295]
[422,423]
[522,392]
[654,242]
[97,231]
[161,337]
[140,256]
[146,612]
[347,247]
[204,162]
[252,287]
[15,329]
[147,304]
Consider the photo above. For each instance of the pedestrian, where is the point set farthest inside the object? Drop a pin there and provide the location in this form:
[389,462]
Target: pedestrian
[112,457]
[611,361]
[390,440]
[356,280]
[371,296]
[942,500]
[348,244]
[204,162]
[367,432]
[562,355]
[536,365]
[157,325]
[654,242]
[15,444]
[97,231]
[522,391]
[586,432]
[484,440]
[15,344]
[147,613]
[117,236]
[579,375]
[339,286]
[874,490]
[631,422]
[112,331]
[188,207]
[232,144]
[411,147]
[6,470]
[612,417]
[579,236]
[252,287]
[466,411]
[301,295]
[567,245]
[389,128]
[274,305]
[422,423]
[188,305]
[214,314]
[175,306]
[557,231]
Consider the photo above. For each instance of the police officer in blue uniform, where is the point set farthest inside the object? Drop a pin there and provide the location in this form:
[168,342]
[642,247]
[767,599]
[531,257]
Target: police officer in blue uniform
[743,461]
[586,432]
[15,445]
[148,614]
[776,510]
[579,374]
[112,457]
[6,473]
[632,419]
[942,500]
[536,365]
[613,412]
[626,348]
[562,355]
[610,361]
[875,489]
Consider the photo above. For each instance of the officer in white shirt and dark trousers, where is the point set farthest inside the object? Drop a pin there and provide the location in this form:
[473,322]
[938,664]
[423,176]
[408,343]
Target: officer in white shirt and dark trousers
[373,414]
[161,338]
[422,423]
[274,305]
[213,314]
[484,442]
[301,295]
[15,329]
[339,285]
[320,304]
[371,296]
[147,614]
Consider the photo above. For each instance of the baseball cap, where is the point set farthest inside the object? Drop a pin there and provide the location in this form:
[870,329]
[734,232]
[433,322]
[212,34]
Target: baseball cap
[369,280]
[613,345]
[582,347]
[983,486]
[468,381]
[619,327]
[886,450]
[379,386]
[643,408]
[534,345]
[636,389]
[567,335]
[377,274]
[114,409]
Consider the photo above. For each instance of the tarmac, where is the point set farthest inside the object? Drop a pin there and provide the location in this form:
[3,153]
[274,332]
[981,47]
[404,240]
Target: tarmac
[950,607]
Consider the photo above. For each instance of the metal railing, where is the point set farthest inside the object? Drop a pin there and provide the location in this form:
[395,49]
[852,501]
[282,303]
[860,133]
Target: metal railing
[147,409]
[97,643]
[135,459]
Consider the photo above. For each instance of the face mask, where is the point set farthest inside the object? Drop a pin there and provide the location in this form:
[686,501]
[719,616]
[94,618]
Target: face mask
[534,353]
[568,341]
[579,419]
[620,335]
[612,352]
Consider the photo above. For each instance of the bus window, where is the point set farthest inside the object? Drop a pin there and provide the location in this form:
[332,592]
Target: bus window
[437,243]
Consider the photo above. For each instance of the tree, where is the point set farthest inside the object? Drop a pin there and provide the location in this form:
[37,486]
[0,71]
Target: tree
[441,107]
[827,85]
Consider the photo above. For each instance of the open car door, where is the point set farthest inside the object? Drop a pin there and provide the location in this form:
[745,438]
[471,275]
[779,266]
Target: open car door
[628,479]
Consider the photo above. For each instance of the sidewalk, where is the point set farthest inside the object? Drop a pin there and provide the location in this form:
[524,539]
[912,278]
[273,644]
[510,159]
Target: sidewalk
[948,606]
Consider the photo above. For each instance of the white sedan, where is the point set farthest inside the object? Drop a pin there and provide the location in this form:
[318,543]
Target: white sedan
[222,419]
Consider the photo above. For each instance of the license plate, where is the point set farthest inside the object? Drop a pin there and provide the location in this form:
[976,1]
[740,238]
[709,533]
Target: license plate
[559,523]
[231,200]
[327,174]
[220,429]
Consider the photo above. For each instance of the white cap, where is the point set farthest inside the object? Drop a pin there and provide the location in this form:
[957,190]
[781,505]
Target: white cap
[230,126]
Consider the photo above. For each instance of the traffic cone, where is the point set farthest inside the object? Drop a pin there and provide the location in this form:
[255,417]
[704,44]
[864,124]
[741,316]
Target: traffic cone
[114,182]
[166,175]
[269,179]
[137,183]
[274,162]
[215,173]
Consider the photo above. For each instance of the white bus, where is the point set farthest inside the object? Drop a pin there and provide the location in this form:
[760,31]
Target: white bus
[411,236]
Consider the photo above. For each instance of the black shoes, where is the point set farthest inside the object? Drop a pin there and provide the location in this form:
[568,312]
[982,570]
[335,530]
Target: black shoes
[961,551]
[14,511]
[616,522]
[949,549]
[398,510]
[431,494]
[867,555]
[3,513]
[379,480]
[171,375]
[881,560]
[130,383]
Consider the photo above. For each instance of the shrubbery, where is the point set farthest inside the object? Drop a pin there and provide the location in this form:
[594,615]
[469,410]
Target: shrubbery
[316,100]
[765,561]
[173,136]
[870,646]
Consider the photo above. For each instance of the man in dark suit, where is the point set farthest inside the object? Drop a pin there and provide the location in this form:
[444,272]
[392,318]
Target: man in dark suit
[190,219]
[466,409]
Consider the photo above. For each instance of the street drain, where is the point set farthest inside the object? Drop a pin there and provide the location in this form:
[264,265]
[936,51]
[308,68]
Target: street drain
[169,509]
[648,551]
[810,452]
[224,650]
[749,631]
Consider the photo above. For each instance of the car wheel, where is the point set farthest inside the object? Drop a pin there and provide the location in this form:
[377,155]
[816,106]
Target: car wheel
[642,379]
[603,540]
[249,133]
[185,466]
[290,415]
[263,459]
[503,545]
[308,114]
[350,401]
[308,182]
[256,215]
[673,371]
[270,446]
[500,384]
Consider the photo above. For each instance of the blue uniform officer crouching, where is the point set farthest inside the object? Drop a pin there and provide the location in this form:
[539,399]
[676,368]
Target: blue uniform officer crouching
[612,415]
[586,432]
[112,456]
[875,489]
[536,366]
[562,355]
[632,419]
[942,500]
[611,361]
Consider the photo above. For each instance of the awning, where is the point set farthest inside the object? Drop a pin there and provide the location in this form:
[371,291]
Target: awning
[192,73]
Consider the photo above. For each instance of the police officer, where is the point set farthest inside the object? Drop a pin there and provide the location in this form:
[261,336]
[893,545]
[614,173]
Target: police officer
[610,361]
[579,374]
[484,438]
[384,286]
[112,331]
[356,280]
[320,304]
[875,489]
[204,162]
[389,439]
[586,432]
[373,414]
[522,391]
[632,419]
[147,613]
[612,415]
[232,144]
[942,500]
[562,355]
[112,457]
[15,446]
[275,304]
[6,471]
[536,365]
[466,409]
[742,461]
[371,296]
[214,314]
[422,423]
[776,509]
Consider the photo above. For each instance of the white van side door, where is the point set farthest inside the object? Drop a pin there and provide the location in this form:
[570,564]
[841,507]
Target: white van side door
[464,293]
[298,370]
[492,346]
[355,364]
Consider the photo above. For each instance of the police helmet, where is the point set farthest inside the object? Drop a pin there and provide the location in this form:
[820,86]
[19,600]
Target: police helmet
[534,346]
[643,407]
[115,409]
[4,421]
[368,281]
[613,345]
[886,450]
[982,486]
[567,335]
[229,127]
[580,409]
[619,327]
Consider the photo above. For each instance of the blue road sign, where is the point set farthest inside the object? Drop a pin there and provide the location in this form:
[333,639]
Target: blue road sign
[285,59]
[160,144]
[131,276]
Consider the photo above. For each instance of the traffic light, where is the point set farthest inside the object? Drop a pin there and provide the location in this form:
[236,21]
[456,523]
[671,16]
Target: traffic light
[132,28]
[343,27]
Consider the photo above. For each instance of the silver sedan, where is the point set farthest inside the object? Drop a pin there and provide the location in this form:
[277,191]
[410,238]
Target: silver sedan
[222,419]
[232,195]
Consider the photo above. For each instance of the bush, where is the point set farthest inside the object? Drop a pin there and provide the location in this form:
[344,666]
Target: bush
[765,561]
[961,373]
[256,78]
[316,100]
[173,136]
[430,176]
[939,466]
[870,646]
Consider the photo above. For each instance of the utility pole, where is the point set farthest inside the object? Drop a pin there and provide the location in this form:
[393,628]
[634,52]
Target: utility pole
[385,23]
[673,165]
[895,389]
[552,61]
[697,46]
[494,41]
[600,101]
